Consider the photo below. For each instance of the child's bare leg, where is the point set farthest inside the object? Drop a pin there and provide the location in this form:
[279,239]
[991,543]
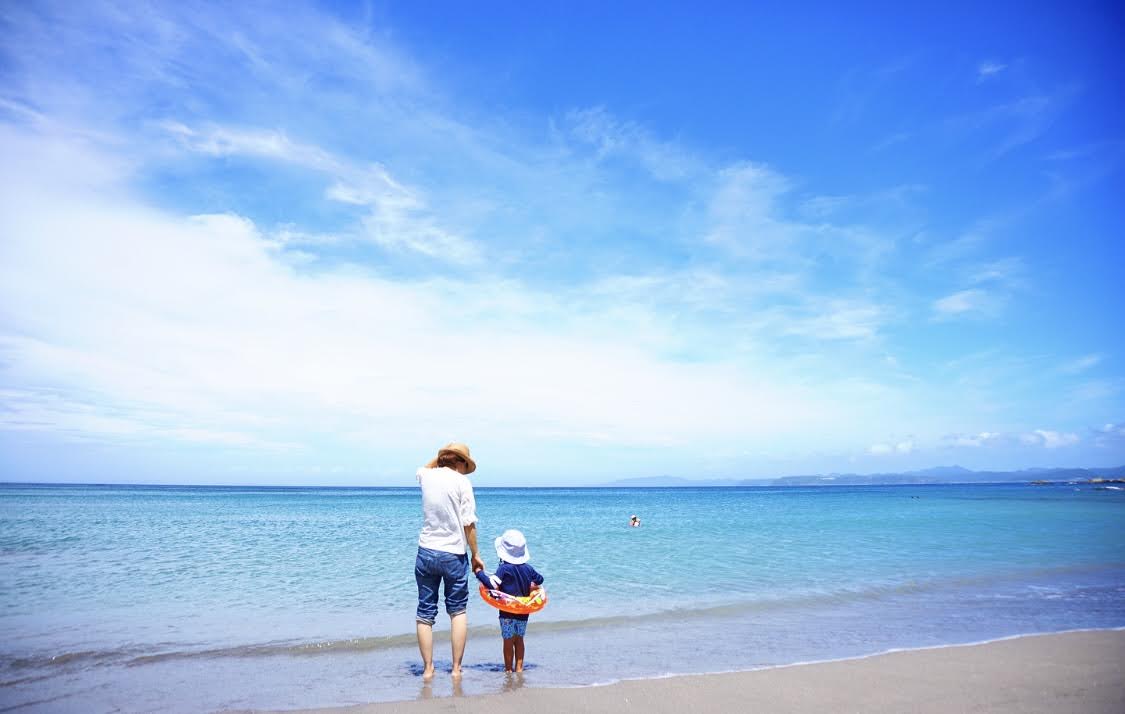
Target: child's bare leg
[518,647]
[509,650]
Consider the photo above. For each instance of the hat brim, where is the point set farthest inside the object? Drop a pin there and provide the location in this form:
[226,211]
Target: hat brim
[507,557]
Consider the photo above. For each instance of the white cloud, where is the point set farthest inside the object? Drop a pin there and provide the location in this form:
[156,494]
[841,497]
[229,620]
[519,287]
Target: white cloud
[882,449]
[143,323]
[611,136]
[398,216]
[964,302]
[269,144]
[992,285]
[988,69]
[983,438]
[969,243]
[1006,272]
[1109,434]
[55,411]
[207,56]
[747,219]
[762,250]
[835,320]
[1045,438]
[1081,364]
[1009,125]
[742,213]
[1049,439]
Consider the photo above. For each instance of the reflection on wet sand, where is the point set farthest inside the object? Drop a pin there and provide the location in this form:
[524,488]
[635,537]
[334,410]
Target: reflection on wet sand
[427,689]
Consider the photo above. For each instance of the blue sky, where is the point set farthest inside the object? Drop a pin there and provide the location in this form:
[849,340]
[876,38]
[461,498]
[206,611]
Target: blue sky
[240,245]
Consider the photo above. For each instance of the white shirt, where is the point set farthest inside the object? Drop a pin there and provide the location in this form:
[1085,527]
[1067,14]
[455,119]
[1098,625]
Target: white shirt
[448,506]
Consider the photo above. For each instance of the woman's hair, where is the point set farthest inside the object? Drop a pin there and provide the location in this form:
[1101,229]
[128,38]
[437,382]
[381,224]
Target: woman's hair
[449,460]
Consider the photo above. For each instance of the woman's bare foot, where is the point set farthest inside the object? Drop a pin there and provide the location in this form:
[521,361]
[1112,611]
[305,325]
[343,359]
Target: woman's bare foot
[456,673]
[428,673]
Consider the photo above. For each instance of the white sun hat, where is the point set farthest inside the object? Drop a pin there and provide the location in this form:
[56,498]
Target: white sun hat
[512,547]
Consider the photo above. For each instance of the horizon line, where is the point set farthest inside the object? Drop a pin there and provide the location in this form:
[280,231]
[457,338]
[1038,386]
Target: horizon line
[623,483]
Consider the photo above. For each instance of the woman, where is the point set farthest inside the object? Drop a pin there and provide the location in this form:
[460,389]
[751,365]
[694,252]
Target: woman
[448,530]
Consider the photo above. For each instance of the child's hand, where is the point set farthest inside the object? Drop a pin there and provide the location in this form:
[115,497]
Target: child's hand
[534,587]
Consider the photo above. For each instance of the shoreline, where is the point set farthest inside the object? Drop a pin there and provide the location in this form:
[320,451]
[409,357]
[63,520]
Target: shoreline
[1074,670]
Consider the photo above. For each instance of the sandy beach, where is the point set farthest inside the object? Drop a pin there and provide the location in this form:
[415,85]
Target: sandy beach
[1066,672]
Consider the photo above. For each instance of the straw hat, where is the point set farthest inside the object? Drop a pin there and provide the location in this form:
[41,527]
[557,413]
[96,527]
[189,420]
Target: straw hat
[456,449]
[512,547]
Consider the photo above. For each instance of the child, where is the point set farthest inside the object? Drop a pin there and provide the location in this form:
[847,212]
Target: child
[517,578]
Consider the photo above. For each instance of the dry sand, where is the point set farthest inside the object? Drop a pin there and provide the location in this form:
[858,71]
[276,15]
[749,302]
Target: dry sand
[1059,673]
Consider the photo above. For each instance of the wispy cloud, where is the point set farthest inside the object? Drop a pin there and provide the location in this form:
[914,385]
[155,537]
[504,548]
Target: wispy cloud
[1049,439]
[743,215]
[979,439]
[1009,125]
[1081,364]
[398,217]
[1039,438]
[891,140]
[837,320]
[968,244]
[991,285]
[901,447]
[973,301]
[989,69]
[1005,272]
[613,137]
[1109,434]
[266,144]
[63,414]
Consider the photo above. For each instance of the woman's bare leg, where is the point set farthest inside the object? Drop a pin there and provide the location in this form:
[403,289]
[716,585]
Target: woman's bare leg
[426,648]
[458,633]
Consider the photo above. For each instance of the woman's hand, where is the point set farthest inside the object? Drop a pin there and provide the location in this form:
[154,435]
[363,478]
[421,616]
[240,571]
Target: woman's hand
[471,539]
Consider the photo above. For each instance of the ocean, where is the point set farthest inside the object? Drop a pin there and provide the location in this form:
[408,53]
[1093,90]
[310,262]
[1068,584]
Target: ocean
[144,598]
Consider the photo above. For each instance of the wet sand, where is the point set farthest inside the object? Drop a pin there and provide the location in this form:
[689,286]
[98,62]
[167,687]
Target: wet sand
[1074,672]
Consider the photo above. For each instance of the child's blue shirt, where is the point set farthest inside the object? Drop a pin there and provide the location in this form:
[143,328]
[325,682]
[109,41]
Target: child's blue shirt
[516,580]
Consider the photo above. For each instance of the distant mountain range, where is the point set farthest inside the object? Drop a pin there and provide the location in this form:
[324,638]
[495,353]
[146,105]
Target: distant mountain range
[941,474]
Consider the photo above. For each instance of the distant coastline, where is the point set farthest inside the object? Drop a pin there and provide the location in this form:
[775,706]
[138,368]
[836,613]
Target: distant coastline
[934,476]
[944,475]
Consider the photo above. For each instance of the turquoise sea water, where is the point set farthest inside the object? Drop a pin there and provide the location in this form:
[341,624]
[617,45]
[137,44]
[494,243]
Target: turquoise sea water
[201,598]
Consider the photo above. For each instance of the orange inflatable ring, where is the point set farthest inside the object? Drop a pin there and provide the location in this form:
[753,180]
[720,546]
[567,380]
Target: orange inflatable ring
[534,602]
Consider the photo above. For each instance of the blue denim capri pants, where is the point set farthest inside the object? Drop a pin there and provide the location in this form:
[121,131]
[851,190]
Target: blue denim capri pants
[430,569]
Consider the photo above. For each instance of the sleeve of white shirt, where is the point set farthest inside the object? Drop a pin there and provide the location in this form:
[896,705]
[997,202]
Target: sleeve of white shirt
[468,505]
